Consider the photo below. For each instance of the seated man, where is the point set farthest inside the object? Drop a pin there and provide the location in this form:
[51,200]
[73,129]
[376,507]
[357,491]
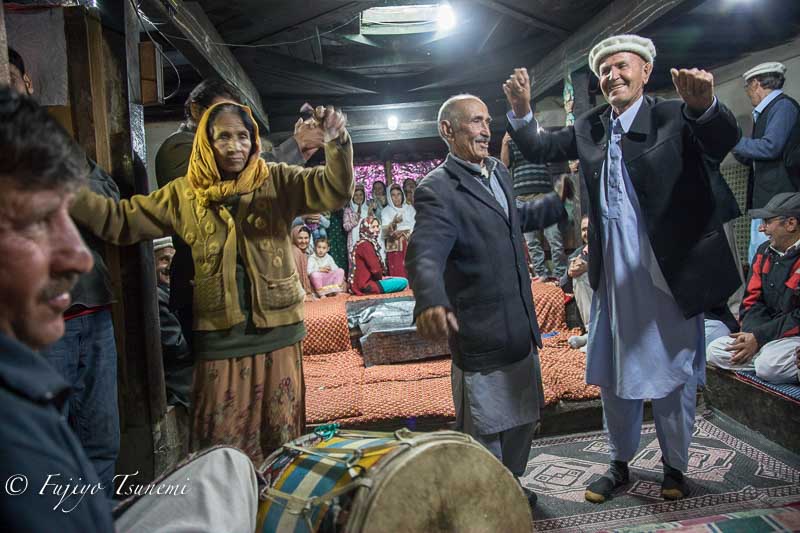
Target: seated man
[770,314]
[178,362]
[49,481]
[576,281]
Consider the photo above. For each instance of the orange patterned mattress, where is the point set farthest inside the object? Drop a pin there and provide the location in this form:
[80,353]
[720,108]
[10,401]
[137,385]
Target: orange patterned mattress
[339,388]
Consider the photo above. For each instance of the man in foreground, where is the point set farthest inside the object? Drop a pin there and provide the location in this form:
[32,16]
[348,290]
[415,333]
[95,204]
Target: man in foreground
[50,483]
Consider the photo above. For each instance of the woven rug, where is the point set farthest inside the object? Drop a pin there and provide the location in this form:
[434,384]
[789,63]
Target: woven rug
[730,469]
[758,521]
[788,391]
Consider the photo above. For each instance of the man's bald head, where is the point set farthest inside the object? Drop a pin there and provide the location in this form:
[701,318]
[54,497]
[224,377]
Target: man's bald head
[464,125]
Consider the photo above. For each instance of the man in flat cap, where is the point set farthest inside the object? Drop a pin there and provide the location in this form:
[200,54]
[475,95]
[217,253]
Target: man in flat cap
[659,255]
[774,116]
[770,311]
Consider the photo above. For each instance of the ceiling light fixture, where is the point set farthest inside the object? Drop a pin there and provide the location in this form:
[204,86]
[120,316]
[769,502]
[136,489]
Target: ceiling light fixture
[446,17]
[392,122]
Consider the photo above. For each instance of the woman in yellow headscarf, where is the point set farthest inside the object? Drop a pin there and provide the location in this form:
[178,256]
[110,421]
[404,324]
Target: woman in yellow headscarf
[235,211]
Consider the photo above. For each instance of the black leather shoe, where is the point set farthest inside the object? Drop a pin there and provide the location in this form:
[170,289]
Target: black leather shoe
[601,489]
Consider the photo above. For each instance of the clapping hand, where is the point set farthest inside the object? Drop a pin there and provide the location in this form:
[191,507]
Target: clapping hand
[695,87]
[577,267]
[331,121]
[309,137]
[518,92]
[744,347]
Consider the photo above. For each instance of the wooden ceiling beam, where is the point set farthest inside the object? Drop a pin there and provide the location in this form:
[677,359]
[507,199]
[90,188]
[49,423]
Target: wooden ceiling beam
[621,16]
[197,44]
[525,18]
[258,59]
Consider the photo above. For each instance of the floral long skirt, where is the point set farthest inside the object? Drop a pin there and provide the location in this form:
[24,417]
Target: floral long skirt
[255,403]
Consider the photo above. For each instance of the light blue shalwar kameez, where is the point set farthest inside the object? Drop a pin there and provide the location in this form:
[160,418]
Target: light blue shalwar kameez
[640,345]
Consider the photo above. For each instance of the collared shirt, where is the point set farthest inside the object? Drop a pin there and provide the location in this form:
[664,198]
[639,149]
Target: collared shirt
[762,105]
[36,442]
[489,169]
[789,249]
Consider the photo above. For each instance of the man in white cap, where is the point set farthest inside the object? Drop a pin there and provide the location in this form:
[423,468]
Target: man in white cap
[774,116]
[659,256]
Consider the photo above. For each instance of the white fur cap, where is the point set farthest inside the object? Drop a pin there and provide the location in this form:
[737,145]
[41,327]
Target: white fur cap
[641,46]
[765,68]
[163,242]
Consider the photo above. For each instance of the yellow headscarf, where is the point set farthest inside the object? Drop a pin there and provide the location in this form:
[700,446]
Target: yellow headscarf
[203,174]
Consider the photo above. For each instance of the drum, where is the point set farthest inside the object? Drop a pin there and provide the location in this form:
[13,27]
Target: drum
[368,482]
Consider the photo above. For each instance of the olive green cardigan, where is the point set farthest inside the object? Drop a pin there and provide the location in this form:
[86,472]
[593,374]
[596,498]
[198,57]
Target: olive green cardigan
[259,231]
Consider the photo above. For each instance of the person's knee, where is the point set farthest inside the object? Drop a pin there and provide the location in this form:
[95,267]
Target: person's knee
[774,372]
[716,354]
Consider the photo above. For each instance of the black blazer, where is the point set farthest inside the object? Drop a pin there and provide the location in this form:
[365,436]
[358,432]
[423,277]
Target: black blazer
[467,256]
[663,154]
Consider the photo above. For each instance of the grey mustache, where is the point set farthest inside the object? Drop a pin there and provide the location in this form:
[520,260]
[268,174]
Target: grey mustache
[59,286]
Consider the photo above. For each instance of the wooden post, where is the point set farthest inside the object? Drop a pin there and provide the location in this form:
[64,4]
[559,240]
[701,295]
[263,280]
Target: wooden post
[4,78]
[108,123]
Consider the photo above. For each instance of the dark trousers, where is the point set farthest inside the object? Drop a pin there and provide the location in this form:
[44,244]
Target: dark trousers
[86,356]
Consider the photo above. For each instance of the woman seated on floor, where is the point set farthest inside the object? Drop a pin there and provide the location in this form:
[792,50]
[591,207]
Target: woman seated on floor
[367,273]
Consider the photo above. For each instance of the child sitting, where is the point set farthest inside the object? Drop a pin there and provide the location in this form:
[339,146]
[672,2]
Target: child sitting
[326,278]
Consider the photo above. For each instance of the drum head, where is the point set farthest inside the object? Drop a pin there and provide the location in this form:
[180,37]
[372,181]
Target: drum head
[445,485]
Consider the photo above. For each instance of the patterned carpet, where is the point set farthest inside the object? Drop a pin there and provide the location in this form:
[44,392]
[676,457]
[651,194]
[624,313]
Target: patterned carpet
[339,388]
[731,469]
[769,520]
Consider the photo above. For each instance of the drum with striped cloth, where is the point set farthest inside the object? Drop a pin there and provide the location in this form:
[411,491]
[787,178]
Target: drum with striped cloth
[357,481]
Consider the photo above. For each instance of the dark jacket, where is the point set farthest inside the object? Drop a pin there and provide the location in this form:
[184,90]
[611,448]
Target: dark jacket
[178,360]
[771,306]
[467,256]
[94,287]
[769,177]
[663,155]
[36,441]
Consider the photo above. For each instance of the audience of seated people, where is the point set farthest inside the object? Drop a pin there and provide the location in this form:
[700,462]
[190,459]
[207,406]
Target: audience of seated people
[770,311]
[368,274]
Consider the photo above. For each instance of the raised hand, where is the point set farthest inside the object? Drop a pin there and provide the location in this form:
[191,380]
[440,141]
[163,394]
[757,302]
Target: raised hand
[309,137]
[333,124]
[695,87]
[331,121]
[518,92]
